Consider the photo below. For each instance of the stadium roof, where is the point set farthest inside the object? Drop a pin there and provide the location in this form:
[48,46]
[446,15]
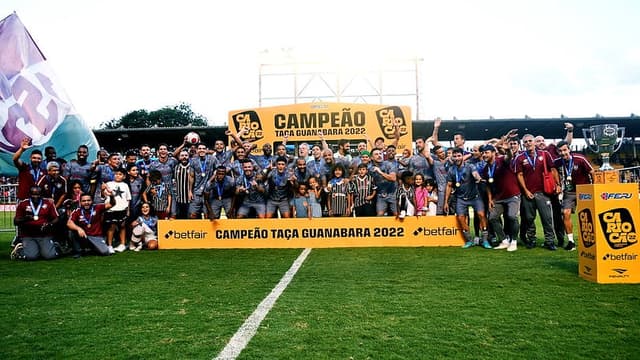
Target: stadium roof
[474,129]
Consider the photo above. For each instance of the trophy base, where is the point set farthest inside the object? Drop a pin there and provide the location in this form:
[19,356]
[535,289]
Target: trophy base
[605,177]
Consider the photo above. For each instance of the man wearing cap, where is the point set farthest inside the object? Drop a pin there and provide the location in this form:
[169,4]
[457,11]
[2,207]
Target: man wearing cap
[504,196]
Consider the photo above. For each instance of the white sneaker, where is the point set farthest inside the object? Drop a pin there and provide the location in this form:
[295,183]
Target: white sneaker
[120,248]
[513,246]
[111,251]
[503,245]
[402,214]
[132,246]
[138,248]
[476,240]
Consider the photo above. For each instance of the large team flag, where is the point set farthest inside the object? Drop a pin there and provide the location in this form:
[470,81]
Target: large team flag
[32,102]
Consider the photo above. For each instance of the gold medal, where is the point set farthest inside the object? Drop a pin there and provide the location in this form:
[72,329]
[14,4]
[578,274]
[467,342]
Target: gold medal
[569,178]
[457,184]
[491,180]
[35,217]
[203,174]
[88,226]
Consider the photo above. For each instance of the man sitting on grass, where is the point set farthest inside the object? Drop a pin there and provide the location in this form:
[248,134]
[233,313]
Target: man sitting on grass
[85,224]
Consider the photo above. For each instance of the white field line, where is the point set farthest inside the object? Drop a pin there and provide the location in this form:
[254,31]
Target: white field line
[241,338]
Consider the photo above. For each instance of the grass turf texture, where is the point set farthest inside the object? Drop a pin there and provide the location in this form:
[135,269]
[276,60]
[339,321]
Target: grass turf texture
[388,303]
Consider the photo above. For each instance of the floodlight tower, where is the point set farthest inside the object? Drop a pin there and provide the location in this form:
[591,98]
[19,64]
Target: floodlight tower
[285,77]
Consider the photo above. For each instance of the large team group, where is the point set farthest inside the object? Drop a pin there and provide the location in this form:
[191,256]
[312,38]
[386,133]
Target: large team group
[87,205]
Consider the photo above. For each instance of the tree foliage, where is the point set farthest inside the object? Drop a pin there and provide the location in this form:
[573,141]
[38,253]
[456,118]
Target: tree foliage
[179,115]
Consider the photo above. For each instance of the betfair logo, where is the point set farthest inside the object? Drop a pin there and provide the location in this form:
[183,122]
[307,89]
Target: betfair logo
[618,228]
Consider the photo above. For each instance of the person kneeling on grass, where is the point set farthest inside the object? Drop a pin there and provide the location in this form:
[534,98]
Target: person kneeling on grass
[144,231]
[85,225]
[35,219]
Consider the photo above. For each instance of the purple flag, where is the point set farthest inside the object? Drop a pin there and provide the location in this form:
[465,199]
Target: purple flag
[32,102]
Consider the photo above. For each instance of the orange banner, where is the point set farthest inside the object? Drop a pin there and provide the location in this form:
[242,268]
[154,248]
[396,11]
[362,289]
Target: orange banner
[301,123]
[305,233]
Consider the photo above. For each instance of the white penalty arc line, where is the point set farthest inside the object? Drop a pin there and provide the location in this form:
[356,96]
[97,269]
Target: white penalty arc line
[241,338]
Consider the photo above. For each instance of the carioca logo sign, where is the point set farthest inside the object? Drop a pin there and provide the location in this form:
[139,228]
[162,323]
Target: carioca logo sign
[616,196]
[618,227]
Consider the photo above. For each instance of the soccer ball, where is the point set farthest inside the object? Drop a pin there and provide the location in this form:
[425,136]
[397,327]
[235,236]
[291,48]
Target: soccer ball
[192,138]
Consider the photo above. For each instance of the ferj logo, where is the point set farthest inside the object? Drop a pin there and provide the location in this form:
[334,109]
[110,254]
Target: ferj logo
[615,196]
[585,196]
[250,120]
[388,118]
[618,228]
[585,223]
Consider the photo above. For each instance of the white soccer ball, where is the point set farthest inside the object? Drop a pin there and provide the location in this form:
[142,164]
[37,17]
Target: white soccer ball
[192,138]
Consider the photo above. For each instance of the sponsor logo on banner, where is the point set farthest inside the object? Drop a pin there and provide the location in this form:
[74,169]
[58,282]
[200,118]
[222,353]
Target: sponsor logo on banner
[584,197]
[619,273]
[436,231]
[251,120]
[587,270]
[619,230]
[388,118]
[588,255]
[616,196]
[620,257]
[186,235]
[585,223]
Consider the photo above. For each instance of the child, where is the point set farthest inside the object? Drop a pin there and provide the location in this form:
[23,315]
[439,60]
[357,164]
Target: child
[158,194]
[405,195]
[300,203]
[339,202]
[364,190]
[315,192]
[426,195]
[144,229]
[116,216]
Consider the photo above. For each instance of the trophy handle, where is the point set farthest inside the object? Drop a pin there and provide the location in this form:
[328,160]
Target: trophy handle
[587,136]
[620,131]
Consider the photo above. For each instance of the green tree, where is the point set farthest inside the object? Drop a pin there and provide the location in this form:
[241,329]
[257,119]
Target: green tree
[180,115]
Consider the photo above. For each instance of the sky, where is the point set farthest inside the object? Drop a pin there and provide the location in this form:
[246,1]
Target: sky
[504,59]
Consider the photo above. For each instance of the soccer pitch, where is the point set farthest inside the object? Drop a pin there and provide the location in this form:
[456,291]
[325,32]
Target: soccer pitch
[379,303]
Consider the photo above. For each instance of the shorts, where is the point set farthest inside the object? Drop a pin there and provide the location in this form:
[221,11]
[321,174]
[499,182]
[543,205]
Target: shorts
[462,205]
[217,205]
[261,208]
[569,201]
[386,203]
[115,217]
[282,205]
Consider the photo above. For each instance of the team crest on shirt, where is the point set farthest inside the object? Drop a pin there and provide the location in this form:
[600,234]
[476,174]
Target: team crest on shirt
[540,158]
[525,162]
[44,206]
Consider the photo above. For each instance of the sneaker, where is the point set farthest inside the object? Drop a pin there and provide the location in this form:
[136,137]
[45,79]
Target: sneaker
[503,245]
[531,244]
[138,248]
[476,240]
[18,252]
[513,246]
[402,214]
[486,245]
[132,246]
[571,246]
[16,240]
[468,244]
[111,250]
[120,248]
[550,246]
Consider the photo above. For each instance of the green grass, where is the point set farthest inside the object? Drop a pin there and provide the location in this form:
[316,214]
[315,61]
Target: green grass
[380,303]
